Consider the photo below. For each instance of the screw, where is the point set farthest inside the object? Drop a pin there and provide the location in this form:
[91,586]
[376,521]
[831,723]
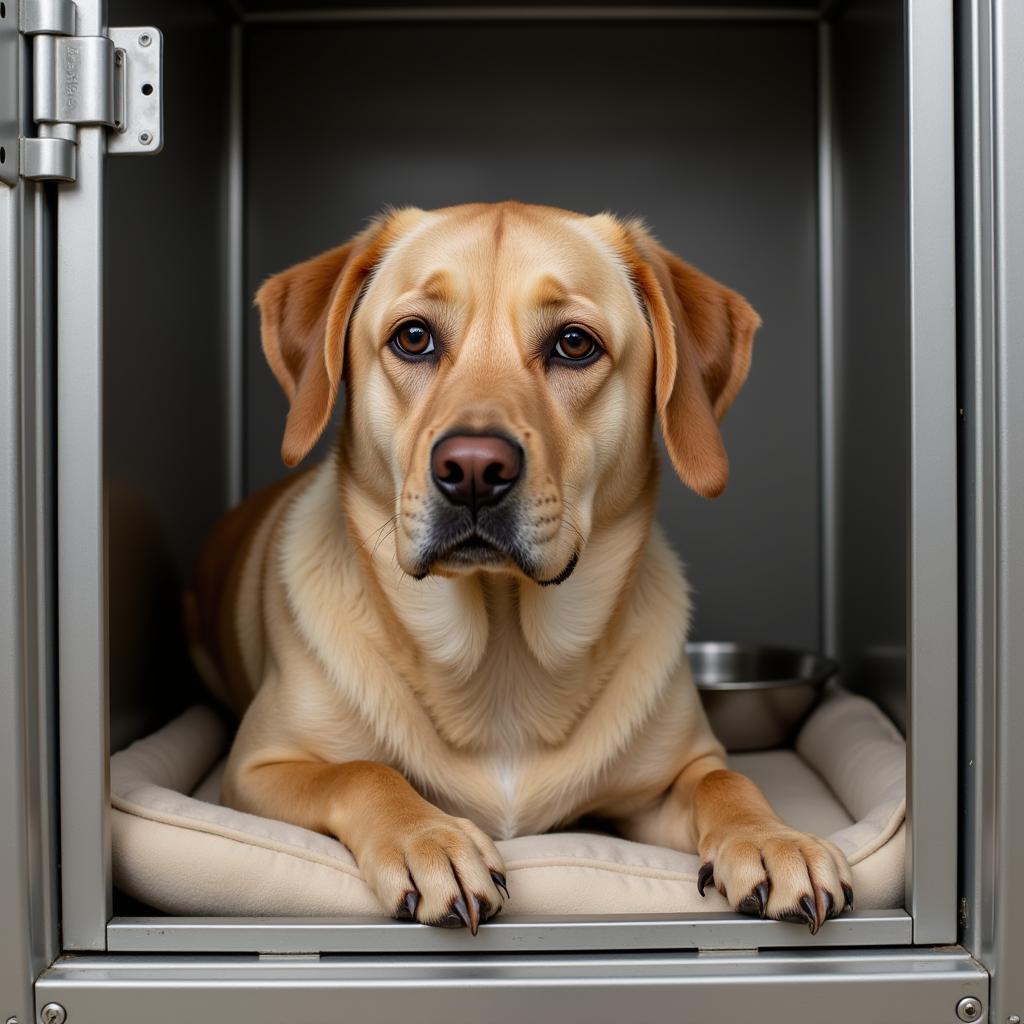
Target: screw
[12,1020]
[53,1013]
[145,138]
[969,1008]
[145,39]
[1014,1018]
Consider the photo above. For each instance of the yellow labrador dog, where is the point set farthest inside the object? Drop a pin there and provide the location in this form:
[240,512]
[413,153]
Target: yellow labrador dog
[465,624]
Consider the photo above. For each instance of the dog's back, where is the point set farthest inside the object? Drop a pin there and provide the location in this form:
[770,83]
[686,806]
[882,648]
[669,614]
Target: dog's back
[225,592]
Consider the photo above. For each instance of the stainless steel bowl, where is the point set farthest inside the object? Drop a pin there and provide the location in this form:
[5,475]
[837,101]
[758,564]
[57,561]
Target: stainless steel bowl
[757,698]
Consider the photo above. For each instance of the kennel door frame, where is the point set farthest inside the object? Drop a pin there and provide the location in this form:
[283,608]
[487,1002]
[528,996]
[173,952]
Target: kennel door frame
[932,591]
[890,986]
[992,324]
[932,568]
[82,625]
[28,815]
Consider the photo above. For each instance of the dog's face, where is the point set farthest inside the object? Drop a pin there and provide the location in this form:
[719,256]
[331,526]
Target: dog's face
[504,365]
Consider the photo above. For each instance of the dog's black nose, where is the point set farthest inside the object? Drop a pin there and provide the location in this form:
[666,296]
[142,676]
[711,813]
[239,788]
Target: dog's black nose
[475,469]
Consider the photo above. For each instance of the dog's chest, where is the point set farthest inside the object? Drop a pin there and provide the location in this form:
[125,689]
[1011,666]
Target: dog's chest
[509,704]
[507,725]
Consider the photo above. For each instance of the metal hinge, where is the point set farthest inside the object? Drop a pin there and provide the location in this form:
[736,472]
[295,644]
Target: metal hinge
[114,81]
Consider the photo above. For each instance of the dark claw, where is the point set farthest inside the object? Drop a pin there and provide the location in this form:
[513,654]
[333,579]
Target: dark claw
[705,875]
[474,913]
[848,893]
[407,908]
[499,881]
[482,906]
[807,906]
[459,907]
[750,906]
[451,920]
[762,897]
[754,904]
[830,906]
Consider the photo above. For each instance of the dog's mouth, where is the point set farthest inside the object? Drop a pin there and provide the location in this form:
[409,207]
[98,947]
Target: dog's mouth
[493,540]
[474,550]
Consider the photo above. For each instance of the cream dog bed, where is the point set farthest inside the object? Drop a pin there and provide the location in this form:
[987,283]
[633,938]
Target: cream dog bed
[176,849]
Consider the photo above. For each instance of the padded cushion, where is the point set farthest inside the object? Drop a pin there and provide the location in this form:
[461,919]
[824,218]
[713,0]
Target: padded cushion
[177,850]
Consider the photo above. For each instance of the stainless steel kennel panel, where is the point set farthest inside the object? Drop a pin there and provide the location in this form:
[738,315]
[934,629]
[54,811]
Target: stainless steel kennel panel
[159,396]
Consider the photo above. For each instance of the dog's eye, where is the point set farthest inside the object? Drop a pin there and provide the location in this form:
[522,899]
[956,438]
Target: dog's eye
[413,339]
[575,345]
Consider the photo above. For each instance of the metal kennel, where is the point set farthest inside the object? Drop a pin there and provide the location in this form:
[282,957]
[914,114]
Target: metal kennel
[851,166]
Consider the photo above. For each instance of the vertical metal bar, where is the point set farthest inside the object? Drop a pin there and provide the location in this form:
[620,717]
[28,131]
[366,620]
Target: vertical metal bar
[828,416]
[992,150]
[237,303]
[28,885]
[978,520]
[1008,241]
[932,590]
[81,542]
[40,597]
[15,966]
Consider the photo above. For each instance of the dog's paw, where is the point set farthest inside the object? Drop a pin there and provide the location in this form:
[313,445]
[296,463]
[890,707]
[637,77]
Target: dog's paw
[438,870]
[770,870]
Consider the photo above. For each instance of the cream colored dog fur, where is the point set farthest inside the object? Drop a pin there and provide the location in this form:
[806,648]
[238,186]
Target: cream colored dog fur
[430,654]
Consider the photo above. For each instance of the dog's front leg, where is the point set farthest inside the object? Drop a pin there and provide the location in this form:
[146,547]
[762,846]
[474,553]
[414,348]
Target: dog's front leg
[420,862]
[763,867]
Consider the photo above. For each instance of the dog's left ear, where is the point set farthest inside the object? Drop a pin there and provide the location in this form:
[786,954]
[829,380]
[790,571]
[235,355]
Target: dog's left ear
[304,314]
[703,335]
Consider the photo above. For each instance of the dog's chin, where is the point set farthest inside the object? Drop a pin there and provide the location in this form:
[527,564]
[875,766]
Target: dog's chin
[472,554]
[475,554]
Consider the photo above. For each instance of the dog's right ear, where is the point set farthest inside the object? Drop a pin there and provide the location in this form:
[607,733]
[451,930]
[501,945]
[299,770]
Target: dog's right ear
[703,333]
[304,314]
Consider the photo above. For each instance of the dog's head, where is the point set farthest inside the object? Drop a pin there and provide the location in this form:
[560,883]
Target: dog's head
[504,365]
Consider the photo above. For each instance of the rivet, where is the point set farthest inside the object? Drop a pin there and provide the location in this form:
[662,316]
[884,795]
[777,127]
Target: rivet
[969,1008]
[1014,1018]
[12,1020]
[53,1013]
[145,138]
[145,39]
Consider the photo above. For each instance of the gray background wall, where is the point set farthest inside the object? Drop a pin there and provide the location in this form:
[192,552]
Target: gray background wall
[708,130]
[164,365]
[872,325]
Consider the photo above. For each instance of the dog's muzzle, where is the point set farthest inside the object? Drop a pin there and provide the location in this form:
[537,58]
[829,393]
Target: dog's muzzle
[475,515]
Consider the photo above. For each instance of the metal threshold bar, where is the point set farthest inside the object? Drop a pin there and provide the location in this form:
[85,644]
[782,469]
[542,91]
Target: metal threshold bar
[882,986]
[506,934]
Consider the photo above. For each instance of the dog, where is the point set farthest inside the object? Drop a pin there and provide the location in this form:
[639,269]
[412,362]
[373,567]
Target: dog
[465,623]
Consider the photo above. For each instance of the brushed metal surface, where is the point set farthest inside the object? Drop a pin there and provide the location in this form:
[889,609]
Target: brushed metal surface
[990,105]
[506,934]
[82,638]
[843,987]
[932,566]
